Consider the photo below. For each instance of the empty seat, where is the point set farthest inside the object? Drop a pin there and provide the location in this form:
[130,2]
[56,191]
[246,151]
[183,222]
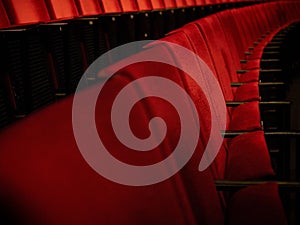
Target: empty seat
[109,6]
[170,4]
[89,8]
[26,12]
[59,10]
[129,5]
[144,5]
[158,4]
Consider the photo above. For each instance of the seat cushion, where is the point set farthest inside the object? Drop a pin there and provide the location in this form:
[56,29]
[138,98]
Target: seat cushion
[256,205]
[247,92]
[248,157]
[245,117]
[250,76]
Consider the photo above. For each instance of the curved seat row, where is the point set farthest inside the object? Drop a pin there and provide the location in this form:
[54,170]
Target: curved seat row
[45,171]
[38,39]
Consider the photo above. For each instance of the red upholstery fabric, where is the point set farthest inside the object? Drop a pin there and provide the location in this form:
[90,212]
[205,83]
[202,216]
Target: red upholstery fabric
[220,59]
[220,48]
[170,3]
[26,12]
[64,190]
[239,120]
[129,5]
[181,3]
[144,5]
[200,100]
[250,76]
[245,117]
[111,6]
[190,175]
[88,8]
[62,9]
[259,204]
[191,2]
[158,4]
[200,2]
[4,21]
[233,35]
[49,182]
[247,92]
[248,158]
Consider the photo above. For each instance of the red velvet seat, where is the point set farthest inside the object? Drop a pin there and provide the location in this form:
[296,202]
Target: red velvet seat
[170,4]
[245,158]
[62,9]
[64,189]
[158,4]
[191,2]
[219,62]
[221,51]
[4,20]
[181,3]
[129,5]
[26,12]
[258,204]
[144,5]
[236,41]
[89,8]
[194,91]
[111,6]
[198,45]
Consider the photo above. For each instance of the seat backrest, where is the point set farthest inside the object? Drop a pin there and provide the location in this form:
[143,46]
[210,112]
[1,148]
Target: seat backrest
[129,5]
[88,8]
[158,4]
[62,9]
[73,193]
[4,20]
[231,30]
[192,179]
[181,3]
[111,6]
[217,55]
[191,2]
[200,2]
[144,5]
[170,3]
[200,100]
[26,12]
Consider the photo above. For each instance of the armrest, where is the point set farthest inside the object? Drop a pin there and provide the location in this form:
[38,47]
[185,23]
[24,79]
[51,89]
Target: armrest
[244,61]
[272,47]
[241,71]
[280,35]
[87,19]
[275,134]
[229,185]
[237,84]
[16,30]
[272,53]
[277,39]
[270,103]
[270,71]
[275,42]
[55,24]
[270,60]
